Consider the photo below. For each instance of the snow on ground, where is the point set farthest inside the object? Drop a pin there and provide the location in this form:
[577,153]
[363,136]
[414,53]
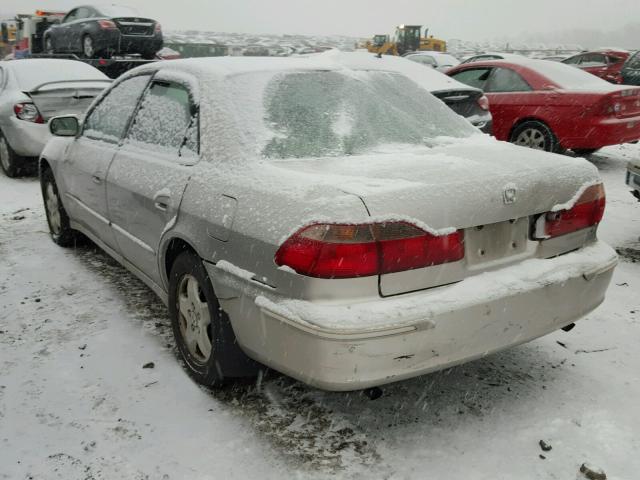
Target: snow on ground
[76,403]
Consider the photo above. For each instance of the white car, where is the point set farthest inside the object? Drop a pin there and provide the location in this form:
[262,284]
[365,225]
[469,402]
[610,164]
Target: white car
[31,92]
[438,60]
[325,216]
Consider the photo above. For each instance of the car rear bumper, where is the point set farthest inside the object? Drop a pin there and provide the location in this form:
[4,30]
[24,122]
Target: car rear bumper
[342,347]
[27,139]
[603,132]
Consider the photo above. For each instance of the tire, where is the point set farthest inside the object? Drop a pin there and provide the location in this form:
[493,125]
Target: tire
[10,161]
[88,47]
[48,46]
[202,331]
[584,152]
[149,55]
[61,232]
[537,135]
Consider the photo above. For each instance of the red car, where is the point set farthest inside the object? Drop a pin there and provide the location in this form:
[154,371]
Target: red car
[551,106]
[606,64]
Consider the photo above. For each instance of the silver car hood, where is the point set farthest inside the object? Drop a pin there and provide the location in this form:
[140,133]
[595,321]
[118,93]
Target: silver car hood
[460,184]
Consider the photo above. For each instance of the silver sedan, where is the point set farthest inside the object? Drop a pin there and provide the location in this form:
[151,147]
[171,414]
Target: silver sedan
[325,216]
[33,91]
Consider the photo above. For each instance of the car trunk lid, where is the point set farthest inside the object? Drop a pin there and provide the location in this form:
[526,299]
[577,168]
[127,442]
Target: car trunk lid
[135,26]
[486,188]
[65,98]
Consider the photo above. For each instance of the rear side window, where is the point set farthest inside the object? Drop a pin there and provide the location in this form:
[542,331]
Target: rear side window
[593,60]
[476,77]
[165,121]
[109,120]
[506,80]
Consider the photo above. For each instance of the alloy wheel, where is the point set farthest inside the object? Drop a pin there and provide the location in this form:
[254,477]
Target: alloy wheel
[52,204]
[532,138]
[89,51]
[194,319]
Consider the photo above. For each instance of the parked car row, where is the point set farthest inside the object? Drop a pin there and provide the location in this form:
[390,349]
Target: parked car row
[328,216]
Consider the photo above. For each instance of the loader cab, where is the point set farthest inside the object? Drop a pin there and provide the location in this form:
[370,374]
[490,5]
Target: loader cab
[380,40]
[408,38]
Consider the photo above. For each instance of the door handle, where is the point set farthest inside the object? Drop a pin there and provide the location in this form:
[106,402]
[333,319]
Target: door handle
[161,201]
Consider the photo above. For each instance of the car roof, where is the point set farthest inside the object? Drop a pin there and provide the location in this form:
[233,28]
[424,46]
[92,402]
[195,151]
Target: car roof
[332,60]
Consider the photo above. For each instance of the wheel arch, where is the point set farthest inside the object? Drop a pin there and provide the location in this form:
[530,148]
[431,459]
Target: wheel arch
[171,248]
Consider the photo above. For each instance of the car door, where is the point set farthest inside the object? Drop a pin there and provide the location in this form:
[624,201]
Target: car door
[62,33]
[76,29]
[150,172]
[88,157]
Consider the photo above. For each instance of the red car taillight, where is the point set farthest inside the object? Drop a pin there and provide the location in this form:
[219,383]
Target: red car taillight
[28,112]
[348,251]
[483,102]
[107,25]
[587,212]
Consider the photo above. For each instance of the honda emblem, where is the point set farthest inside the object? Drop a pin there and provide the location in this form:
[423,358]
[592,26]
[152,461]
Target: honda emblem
[510,194]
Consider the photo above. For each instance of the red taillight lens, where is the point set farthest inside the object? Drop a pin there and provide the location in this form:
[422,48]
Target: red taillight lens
[28,112]
[483,102]
[348,251]
[587,212]
[107,25]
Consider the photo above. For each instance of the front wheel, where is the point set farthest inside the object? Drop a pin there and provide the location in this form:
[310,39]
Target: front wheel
[203,333]
[61,232]
[536,135]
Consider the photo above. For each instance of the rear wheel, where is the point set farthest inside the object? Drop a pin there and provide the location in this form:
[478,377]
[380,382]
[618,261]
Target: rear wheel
[9,160]
[88,47]
[536,135]
[202,331]
[57,218]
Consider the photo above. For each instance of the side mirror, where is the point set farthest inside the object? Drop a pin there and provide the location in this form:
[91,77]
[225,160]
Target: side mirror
[65,126]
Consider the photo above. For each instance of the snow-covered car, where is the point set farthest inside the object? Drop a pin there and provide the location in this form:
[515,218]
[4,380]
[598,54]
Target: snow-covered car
[469,102]
[437,60]
[633,177]
[325,216]
[483,57]
[31,92]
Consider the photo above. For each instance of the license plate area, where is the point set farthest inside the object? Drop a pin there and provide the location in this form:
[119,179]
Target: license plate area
[497,241]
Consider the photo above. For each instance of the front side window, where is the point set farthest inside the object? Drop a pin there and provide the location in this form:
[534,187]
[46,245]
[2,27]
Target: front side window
[109,120]
[475,77]
[165,120]
[506,80]
[573,60]
[593,60]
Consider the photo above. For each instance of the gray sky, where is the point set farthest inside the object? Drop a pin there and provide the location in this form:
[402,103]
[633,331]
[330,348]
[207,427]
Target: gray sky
[465,19]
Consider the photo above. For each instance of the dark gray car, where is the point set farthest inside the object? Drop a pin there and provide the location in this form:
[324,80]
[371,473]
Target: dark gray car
[104,31]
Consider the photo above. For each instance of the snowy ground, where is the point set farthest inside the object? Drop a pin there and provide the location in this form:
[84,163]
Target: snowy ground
[75,402]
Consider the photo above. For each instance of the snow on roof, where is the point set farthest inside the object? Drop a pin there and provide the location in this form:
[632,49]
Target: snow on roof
[331,60]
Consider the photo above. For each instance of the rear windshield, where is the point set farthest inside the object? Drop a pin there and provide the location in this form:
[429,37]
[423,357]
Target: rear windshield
[569,77]
[117,11]
[329,113]
[31,73]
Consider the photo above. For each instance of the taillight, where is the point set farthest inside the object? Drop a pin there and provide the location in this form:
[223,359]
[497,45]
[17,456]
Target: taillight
[28,112]
[587,212]
[348,251]
[158,28]
[107,25]
[483,102]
